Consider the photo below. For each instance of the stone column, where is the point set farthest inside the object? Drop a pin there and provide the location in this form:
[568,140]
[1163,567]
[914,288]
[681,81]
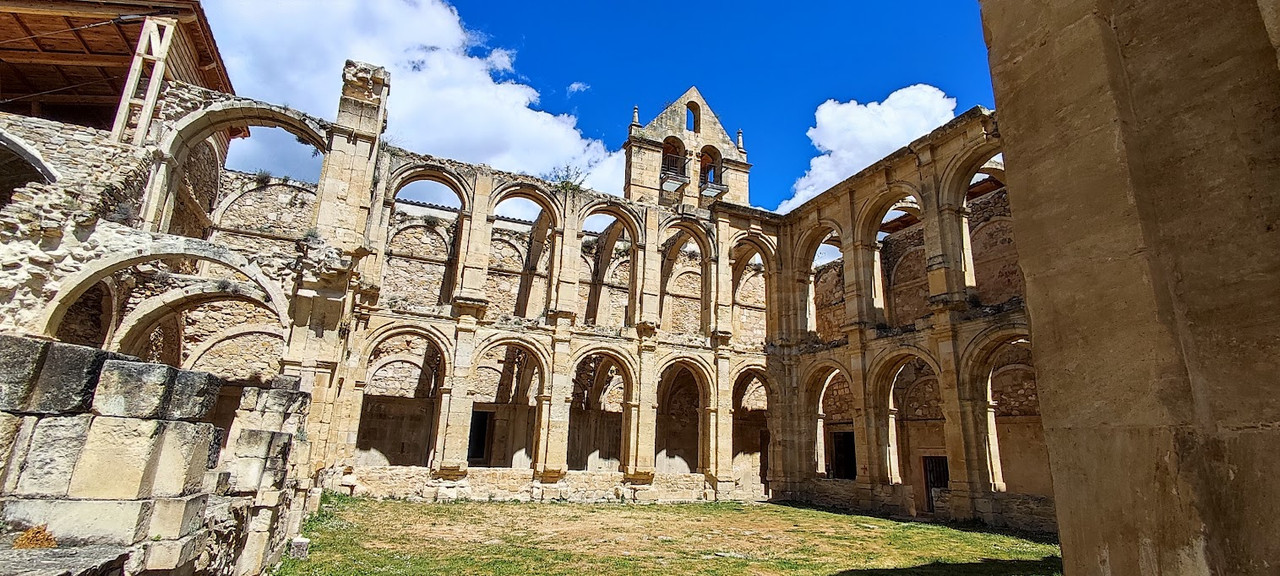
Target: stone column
[474,257]
[721,416]
[642,412]
[453,417]
[552,451]
[1140,151]
[649,269]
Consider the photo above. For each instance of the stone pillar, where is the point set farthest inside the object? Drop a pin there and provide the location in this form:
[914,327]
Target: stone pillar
[1140,146]
[650,270]
[453,417]
[641,410]
[474,259]
[721,416]
[551,460]
[323,295]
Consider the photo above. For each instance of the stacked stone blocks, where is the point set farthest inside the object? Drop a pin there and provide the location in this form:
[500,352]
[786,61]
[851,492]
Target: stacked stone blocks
[105,450]
[110,452]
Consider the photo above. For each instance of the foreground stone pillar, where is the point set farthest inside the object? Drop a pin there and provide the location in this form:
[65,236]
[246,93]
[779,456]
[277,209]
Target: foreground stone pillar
[1141,145]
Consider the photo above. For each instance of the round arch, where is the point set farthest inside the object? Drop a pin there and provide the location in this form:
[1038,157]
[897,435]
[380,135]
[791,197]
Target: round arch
[871,217]
[763,245]
[818,376]
[138,323]
[535,348]
[814,238]
[620,211]
[619,355]
[47,322]
[30,155]
[432,334]
[418,172]
[700,234]
[231,200]
[198,352]
[199,125]
[959,171]
[702,374]
[742,378]
[550,204]
[884,366]
[975,360]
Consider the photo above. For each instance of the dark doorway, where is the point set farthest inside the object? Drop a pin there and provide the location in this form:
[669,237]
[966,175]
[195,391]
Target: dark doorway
[764,458]
[844,457]
[478,443]
[935,476]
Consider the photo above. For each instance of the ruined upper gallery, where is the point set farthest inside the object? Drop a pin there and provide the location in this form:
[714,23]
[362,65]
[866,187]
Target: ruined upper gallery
[529,339]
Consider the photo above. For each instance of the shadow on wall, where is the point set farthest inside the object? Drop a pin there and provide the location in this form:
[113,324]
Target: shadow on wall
[1047,566]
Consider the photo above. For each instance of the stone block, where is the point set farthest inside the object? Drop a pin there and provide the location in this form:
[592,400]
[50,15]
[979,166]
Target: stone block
[263,520]
[18,454]
[55,445]
[133,389]
[299,547]
[20,361]
[182,459]
[169,556]
[173,518]
[118,461]
[269,498]
[249,398]
[67,379]
[10,425]
[246,474]
[192,395]
[215,448]
[292,383]
[253,556]
[217,482]
[118,522]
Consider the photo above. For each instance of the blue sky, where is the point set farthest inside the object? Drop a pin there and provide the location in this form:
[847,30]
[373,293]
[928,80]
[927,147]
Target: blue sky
[493,83]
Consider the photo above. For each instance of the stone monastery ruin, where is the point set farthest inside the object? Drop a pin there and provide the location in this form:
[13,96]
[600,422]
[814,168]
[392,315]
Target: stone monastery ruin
[692,348]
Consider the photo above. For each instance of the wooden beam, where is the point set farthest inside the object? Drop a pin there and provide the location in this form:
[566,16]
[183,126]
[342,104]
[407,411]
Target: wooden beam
[62,99]
[77,9]
[66,59]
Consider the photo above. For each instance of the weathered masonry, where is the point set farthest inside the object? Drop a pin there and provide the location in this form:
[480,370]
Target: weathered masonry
[689,347]
[869,350]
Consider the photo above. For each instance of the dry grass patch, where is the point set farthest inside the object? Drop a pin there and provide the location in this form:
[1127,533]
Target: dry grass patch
[358,536]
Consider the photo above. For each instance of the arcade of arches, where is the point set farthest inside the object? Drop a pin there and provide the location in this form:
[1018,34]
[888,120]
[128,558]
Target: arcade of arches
[524,339]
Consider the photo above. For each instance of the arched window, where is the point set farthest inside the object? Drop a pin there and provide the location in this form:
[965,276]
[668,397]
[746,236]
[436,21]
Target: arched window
[710,161]
[595,414]
[420,270]
[693,118]
[605,279]
[673,160]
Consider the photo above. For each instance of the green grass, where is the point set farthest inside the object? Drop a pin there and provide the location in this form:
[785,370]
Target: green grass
[351,536]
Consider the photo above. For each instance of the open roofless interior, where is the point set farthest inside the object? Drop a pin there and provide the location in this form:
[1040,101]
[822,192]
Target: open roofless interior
[1079,343]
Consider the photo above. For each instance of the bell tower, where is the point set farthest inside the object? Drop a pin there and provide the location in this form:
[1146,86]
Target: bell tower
[685,156]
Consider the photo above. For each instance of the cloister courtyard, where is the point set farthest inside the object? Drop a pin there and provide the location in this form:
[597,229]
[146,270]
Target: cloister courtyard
[352,536]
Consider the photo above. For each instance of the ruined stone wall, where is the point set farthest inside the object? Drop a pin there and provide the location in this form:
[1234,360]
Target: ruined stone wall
[108,452]
[995,256]
[828,300]
[50,230]
[906,283]
[482,285]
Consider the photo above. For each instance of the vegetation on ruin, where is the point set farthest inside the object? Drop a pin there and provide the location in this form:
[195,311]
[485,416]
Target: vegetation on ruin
[351,536]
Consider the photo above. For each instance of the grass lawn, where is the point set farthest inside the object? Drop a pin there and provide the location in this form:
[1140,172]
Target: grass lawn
[351,536]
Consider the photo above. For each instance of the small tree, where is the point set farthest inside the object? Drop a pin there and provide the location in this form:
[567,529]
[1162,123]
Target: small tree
[568,177]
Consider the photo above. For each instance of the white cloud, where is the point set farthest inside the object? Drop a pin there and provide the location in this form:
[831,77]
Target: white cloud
[451,95]
[852,136]
[577,87]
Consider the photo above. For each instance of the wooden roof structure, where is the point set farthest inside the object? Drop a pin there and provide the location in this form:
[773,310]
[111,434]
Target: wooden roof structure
[68,59]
